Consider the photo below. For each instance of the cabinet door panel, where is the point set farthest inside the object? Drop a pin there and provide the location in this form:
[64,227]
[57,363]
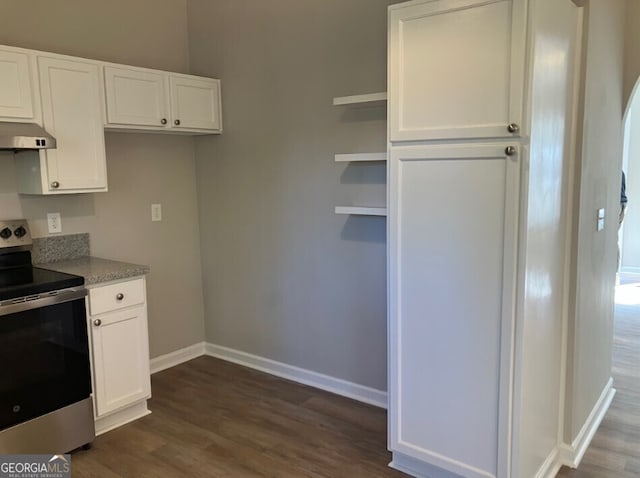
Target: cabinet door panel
[120,359]
[72,113]
[456,69]
[195,103]
[135,97]
[452,234]
[15,85]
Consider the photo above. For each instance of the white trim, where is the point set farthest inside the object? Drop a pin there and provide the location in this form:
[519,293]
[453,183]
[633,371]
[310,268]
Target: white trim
[172,359]
[551,465]
[122,417]
[571,455]
[338,386]
[414,467]
[571,232]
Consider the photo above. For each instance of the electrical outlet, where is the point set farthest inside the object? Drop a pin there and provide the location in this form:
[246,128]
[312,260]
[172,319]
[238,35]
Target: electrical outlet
[54,222]
[156,212]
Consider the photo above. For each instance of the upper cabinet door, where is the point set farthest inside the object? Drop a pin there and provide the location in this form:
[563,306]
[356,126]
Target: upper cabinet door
[72,113]
[195,103]
[15,86]
[136,97]
[456,69]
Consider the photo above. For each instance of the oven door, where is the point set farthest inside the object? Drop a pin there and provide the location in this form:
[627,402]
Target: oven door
[44,355]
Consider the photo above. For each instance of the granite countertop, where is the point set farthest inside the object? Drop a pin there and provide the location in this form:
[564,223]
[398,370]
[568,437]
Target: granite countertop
[96,270]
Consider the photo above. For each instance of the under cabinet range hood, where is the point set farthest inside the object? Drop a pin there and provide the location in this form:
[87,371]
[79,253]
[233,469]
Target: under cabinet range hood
[20,136]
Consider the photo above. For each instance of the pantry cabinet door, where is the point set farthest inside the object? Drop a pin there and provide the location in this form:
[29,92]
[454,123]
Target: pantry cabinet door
[453,218]
[456,69]
[72,113]
[120,359]
[136,97]
[195,103]
[16,96]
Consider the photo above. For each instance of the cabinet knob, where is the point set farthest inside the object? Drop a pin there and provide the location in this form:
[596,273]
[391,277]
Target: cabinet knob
[177,122]
[97,322]
[513,128]
[163,121]
[55,184]
[510,151]
[120,296]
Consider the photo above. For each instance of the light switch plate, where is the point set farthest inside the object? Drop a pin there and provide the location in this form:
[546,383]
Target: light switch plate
[156,212]
[54,222]
[600,219]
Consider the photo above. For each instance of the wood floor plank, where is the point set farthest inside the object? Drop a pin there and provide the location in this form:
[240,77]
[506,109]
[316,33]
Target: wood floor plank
[615,449]
[211,418]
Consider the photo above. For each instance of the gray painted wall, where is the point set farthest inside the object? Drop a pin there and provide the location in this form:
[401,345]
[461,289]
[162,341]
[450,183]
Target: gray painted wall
[591,331]
[142,169]
[631,48]
[284,277]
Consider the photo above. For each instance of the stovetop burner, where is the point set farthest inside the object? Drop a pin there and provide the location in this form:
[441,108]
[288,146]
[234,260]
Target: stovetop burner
[18,278]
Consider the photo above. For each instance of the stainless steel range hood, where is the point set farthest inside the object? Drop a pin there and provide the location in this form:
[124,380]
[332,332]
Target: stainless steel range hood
[20,136]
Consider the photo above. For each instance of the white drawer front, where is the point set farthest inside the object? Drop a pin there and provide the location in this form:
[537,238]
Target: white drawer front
[116,296]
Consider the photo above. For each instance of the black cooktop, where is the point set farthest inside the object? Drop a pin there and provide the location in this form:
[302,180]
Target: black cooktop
[26,280]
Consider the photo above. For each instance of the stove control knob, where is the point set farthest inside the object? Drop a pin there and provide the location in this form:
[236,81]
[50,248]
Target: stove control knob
[20,232]
[5,233]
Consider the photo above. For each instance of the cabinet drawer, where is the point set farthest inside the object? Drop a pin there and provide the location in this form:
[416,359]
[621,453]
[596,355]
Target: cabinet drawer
[116,296]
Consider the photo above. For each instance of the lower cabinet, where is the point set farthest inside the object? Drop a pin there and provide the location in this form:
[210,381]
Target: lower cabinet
[453,219]
[117,316]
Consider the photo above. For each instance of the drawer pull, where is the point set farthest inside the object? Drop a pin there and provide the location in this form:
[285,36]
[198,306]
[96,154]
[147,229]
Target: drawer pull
[120,296]
[97,322]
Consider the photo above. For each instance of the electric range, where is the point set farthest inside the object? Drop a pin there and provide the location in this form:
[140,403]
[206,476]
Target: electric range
[45,384]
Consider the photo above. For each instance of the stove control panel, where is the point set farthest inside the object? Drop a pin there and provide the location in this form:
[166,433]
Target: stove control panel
[14,233]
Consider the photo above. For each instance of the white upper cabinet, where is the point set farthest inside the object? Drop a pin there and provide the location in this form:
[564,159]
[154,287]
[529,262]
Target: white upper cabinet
[142,99]
[136,97]
[16,92]
[471,86]
[195,103]
[72,113]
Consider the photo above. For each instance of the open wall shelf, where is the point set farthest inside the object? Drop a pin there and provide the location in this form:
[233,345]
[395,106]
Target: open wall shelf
[342,158]
[372,99]
[362,211]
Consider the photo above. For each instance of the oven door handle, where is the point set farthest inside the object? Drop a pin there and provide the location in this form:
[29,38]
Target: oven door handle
[13,306]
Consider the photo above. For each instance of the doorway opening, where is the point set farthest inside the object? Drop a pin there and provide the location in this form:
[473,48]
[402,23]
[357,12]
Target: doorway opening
[629,235]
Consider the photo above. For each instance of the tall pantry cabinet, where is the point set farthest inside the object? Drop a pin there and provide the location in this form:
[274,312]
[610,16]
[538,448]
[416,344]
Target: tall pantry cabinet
[481,102]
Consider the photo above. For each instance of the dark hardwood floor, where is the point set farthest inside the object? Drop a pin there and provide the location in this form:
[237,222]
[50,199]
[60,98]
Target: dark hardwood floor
[615,449]
[215,419]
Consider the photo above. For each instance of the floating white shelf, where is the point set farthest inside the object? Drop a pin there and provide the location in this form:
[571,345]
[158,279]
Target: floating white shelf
[362,211]
[360,99]
[340,158]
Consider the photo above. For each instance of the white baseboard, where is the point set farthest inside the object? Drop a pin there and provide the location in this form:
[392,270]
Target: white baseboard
[413,467]
[551,465]
[176,358]
[571,455]
[300,375]
[121,417]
